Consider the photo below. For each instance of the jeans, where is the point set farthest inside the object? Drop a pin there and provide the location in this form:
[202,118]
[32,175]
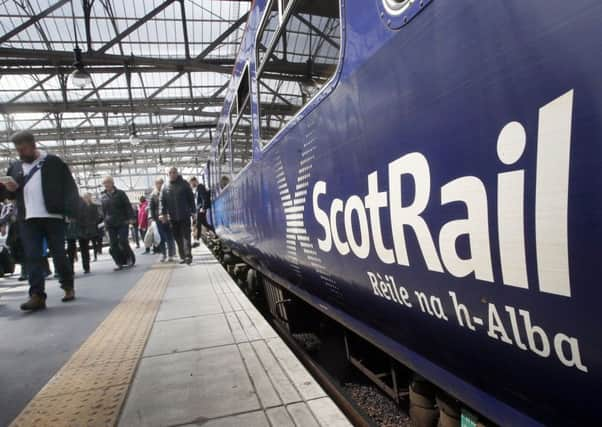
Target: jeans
[33,232]
[181,231]
[120,245]
[166,239]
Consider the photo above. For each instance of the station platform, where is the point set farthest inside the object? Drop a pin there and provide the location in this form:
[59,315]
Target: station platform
[182,347]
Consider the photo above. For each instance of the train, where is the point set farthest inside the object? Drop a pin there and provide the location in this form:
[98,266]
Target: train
[427,174]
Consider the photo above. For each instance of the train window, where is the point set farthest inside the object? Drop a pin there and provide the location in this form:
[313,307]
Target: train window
[299,63]
[242,92]
[225,158]
[267,30]
[241,136]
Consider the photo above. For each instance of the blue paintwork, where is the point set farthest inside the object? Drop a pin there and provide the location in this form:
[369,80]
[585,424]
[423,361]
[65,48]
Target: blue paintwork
[444,85]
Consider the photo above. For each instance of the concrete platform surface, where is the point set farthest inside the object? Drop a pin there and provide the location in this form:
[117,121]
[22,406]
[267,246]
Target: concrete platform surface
[213,360]
[34,346]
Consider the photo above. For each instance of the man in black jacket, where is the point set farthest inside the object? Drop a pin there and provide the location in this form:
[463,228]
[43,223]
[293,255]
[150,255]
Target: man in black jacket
[46,193]
[177,206]
[167,245]
[118,214]
[202,200]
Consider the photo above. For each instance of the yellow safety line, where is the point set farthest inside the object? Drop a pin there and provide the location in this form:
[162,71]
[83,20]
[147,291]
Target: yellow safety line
[91,387]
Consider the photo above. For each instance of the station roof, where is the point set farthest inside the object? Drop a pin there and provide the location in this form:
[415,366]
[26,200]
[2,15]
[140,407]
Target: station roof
[159,67]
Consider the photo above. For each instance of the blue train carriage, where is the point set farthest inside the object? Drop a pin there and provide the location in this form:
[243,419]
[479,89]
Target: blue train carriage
[427,173]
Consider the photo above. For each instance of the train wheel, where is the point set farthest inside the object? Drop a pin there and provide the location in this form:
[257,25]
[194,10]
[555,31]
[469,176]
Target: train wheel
[423,411]
[449,411]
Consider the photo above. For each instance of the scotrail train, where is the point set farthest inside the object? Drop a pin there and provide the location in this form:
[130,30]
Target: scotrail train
[428,174]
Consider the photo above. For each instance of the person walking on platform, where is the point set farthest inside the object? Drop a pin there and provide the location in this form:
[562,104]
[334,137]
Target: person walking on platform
[177,206]
[194,184]
[143,220]
[46,193]
[203,205]
[8,217]
[100,233]
[167,245]
[118,215]
[88,220]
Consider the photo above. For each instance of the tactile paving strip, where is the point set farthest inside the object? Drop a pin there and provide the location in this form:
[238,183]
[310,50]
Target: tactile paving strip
[91,387]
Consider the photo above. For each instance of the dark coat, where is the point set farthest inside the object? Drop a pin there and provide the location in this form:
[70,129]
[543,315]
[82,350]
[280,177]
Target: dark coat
[203,198]
[88,220]
[116,208]
[177,200]
[72,230]
[153,206]
[60,191]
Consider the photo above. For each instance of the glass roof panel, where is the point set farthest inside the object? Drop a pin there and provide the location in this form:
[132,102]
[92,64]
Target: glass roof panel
[147,39]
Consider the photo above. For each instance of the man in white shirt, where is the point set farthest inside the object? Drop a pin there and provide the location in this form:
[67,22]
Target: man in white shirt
[46,193]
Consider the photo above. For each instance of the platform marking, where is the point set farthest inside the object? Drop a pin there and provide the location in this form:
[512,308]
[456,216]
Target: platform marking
[91,387]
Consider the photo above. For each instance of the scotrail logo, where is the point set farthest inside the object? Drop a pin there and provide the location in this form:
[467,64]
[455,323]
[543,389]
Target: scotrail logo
[411,173]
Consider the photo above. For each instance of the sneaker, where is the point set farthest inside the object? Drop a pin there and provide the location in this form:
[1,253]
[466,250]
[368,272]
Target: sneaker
[69,295]
[22,278]
[118,268]
[163,259]
[35,302]
[86,271]
[189,260]
[171,259]
[196,244]
[183,261]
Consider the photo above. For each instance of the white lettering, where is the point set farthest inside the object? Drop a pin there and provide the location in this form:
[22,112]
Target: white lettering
[413,164]
[515,332]
[321,216]
[335,208]
[510,207]
[551,195]
[361,249]
[461,312]
[574,358]
[496,326]
[373,202]
[471,191]
[535,331]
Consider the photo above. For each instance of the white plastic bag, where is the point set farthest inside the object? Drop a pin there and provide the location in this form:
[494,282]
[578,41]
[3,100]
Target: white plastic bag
[152,237]
[156,235]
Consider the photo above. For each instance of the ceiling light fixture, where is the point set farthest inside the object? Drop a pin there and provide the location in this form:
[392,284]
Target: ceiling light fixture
[134,138]
[79,78]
